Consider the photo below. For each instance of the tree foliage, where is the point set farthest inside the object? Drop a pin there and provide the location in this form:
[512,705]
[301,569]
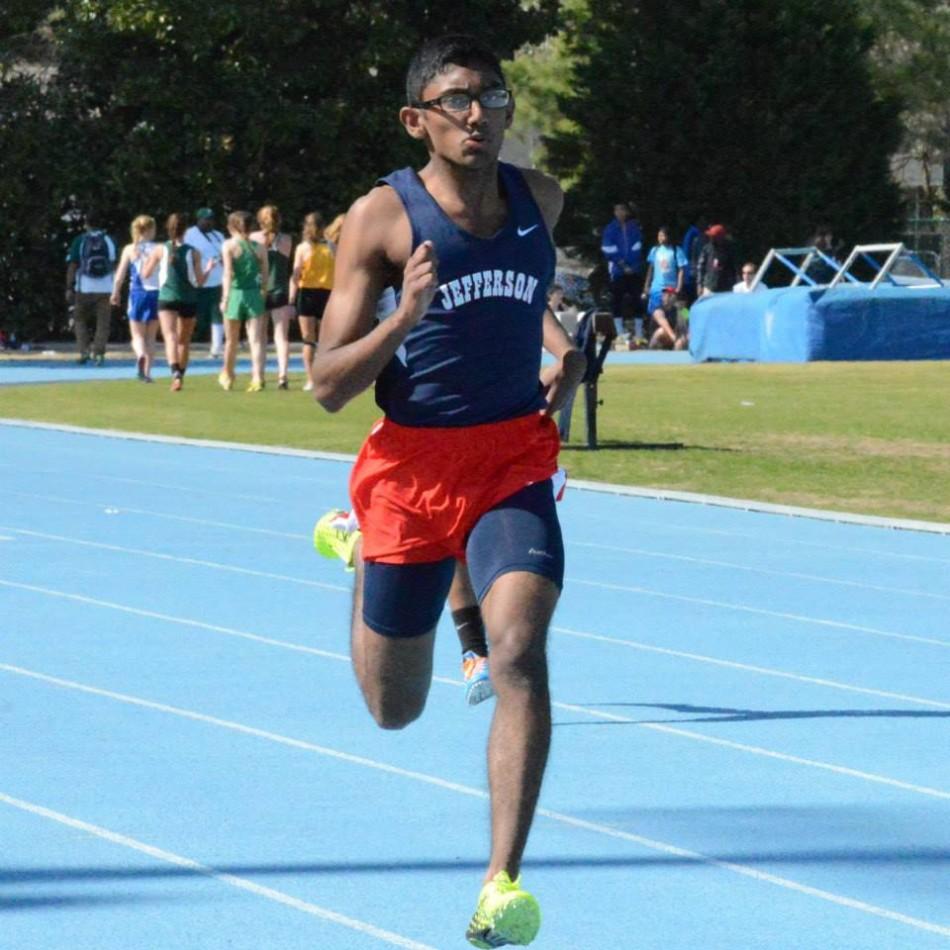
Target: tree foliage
[910,59]
[160,105]
[759,114]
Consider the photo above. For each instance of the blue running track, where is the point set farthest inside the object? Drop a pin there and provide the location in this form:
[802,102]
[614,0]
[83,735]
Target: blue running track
[750,749]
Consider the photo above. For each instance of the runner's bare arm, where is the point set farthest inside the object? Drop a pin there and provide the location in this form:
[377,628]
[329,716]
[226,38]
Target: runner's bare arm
[559,379]
[148,268]
[353,352]
[261,251]
[297,269]
[120,274]
[563,376]
[227,274]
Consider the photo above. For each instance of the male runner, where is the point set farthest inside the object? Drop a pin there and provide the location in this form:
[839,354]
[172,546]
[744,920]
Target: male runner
[460,465]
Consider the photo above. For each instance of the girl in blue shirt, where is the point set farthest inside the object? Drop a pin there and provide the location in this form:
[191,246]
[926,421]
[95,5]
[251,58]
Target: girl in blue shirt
[666,267]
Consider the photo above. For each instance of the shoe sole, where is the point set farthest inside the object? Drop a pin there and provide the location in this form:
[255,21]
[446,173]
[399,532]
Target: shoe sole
[478,691]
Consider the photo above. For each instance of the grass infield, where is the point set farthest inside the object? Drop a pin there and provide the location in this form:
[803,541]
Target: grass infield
[869,438]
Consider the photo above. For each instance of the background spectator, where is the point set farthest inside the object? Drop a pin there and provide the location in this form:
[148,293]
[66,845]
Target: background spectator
[666,267]
[824,240]
[565,311]
[667,330]
[749,270]
[143,294]
[622,247]
[716,271]
[90,265]
[207,241]
[693,241]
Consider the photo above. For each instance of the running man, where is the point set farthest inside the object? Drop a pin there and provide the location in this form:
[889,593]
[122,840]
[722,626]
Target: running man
[460,466]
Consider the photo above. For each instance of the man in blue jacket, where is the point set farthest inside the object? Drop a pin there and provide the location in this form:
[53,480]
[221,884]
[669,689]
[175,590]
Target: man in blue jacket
[622,246]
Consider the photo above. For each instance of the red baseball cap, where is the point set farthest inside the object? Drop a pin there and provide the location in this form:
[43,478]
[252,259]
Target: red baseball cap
[716,230]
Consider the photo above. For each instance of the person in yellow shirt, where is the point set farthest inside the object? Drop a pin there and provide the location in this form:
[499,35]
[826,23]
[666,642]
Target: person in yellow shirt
[310,285]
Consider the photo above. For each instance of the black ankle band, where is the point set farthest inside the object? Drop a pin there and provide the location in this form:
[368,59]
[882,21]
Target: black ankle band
[470,629]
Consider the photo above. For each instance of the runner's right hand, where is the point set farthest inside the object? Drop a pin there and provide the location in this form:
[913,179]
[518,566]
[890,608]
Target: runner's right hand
[420,281]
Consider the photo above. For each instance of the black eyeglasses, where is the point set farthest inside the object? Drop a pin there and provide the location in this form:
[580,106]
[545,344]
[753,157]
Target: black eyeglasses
[496,98]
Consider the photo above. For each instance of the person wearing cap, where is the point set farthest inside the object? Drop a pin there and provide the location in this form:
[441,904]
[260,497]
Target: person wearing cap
[622,247]
[666,267]
[207,241]
[716,270]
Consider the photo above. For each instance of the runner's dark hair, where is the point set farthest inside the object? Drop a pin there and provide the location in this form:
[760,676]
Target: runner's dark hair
[436,55]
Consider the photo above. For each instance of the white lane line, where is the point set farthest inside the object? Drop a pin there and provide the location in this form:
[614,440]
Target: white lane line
[759,750]
[148,513]
[433,780]
[650,494]
[606,547]
[568,707]
[195,562]
[665,528]
[232,880]
[731,565]
[169,618]
[798,618]
[755,874]
[580,634]
[747,667]
[762,612]
[177,487]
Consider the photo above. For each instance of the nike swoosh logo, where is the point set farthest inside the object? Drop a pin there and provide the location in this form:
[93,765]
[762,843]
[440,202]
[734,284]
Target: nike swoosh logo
[523,231]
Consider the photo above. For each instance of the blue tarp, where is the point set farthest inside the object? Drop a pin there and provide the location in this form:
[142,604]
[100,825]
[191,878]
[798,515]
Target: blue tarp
[798,324]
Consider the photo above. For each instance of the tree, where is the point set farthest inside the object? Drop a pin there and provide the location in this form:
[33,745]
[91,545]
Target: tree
[758,114]
[910,58]
[161,105]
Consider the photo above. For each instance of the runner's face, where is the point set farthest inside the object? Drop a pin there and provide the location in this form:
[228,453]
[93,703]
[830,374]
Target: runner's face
[472,138]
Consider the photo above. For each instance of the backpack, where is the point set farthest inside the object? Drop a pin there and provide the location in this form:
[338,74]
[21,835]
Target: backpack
[94,258]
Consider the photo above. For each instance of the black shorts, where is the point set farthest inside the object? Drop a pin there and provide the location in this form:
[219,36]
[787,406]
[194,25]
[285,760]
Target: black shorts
[312,302]
[521,533]
[185,311]
[276,299]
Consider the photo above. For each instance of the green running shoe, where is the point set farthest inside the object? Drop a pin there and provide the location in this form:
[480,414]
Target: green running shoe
[335,536]
[505,915]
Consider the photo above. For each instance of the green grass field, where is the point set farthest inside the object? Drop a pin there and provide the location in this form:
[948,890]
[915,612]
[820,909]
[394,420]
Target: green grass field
[871,438]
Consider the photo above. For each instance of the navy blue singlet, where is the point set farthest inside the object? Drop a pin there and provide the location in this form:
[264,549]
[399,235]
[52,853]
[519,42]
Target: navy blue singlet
[475,356]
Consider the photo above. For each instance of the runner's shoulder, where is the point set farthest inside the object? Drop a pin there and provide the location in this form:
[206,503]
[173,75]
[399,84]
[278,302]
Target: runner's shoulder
[547,193]
[378,220]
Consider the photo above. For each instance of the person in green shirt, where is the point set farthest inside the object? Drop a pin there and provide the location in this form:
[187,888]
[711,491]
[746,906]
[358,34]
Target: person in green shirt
[181,274]
[242,300]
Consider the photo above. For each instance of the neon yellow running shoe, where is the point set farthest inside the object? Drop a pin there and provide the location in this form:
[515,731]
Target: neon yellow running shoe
[335,536]
[505,915]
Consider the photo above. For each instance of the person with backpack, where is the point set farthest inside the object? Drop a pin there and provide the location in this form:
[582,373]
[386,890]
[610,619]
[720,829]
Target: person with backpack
[90,264]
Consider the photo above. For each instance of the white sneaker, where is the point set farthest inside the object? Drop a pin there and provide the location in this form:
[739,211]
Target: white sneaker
[308,386]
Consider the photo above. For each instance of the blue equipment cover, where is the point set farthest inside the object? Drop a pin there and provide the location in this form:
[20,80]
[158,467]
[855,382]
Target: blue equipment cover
[799,324]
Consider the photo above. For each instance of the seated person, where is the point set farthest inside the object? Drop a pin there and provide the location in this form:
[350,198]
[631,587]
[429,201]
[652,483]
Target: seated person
[565,311]
[669,329]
